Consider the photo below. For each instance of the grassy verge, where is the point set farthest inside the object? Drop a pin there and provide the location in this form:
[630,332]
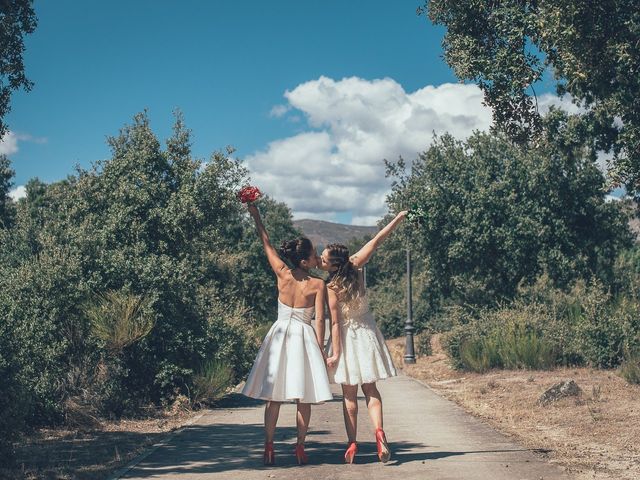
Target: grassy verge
[593,436]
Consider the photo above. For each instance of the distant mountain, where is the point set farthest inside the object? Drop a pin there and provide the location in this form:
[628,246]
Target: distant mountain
[323,233]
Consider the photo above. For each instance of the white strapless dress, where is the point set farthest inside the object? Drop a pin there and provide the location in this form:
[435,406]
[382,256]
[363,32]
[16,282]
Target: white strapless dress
[289,365]
[365,357]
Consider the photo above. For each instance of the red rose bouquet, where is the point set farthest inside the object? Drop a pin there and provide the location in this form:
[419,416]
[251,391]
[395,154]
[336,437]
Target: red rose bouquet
[249,194]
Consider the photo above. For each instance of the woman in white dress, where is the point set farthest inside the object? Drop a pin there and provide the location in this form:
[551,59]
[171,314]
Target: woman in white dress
[290,365]
[364,357]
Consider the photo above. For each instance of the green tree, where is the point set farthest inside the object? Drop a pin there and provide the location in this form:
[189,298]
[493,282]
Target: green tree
[148,222]
[7,212]
[494,216]
[591,48]
[17,19]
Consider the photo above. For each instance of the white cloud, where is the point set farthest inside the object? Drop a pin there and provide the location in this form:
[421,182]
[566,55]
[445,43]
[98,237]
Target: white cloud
[279,110]
[9,144]
[353,124]
[565,103]
[336,165]
[18,193]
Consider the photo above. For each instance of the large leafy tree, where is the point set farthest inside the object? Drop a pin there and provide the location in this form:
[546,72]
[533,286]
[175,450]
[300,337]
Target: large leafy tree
[589,46]
[17,19]
[495,215]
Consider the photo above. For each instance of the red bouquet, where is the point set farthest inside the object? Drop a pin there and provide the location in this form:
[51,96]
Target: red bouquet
[249,194]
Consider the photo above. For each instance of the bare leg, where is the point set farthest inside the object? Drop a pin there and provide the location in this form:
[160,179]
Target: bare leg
[303,416]
[350,410]
[374,403]
[271,413]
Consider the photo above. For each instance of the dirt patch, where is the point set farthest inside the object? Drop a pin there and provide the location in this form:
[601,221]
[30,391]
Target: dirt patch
[91,454]
[594,436]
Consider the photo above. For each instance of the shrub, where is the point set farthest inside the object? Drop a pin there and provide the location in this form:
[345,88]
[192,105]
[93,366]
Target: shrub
[630,370]
[507,338]
[119,319]
[211,382]
[423,344]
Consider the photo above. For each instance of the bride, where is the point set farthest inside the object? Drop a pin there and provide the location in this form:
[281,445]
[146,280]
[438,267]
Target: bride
[362,356]
[290,365]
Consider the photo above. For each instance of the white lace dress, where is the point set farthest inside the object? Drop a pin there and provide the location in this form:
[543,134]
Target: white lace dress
[365,357]
[289,365]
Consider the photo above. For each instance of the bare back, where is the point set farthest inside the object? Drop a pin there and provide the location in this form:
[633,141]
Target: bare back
[296,288]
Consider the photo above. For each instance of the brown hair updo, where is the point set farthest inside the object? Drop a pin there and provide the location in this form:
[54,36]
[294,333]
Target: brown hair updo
[295,251]
[345,280]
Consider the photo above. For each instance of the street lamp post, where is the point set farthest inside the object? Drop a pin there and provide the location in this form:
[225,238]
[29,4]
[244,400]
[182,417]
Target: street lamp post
[409,353]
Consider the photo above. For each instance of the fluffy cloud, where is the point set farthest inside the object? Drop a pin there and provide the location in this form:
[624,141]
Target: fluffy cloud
[336,165]
[18,193]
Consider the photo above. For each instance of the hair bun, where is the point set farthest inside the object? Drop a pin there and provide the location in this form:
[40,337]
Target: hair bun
[296,250]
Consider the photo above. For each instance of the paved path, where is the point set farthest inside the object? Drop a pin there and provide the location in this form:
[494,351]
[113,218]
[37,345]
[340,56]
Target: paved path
[431,438]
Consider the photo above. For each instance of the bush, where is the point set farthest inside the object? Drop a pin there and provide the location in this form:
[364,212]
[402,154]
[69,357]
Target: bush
[630,370]
[423,344]
[119,319]
[14,402]
[508,338]
[211,382]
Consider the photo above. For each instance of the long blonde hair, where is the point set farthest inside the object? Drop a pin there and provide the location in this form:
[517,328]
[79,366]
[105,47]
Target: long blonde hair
[345,280]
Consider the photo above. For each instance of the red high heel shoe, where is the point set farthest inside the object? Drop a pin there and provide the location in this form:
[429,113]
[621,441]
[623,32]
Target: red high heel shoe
[302,457]
[269,456]
[350,454]
[384,454]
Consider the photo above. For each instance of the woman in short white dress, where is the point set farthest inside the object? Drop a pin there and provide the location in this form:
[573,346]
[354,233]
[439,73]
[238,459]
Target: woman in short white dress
[364,357]
[290,365]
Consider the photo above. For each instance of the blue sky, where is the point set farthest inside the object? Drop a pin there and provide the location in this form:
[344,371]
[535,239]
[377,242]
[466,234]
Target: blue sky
[228,66]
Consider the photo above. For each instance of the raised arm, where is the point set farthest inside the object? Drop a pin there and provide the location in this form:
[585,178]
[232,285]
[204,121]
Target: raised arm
[334,311]
[275,261]
[320,300]
[360,258]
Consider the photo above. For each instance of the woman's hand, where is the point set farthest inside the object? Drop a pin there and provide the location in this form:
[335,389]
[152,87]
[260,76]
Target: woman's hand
[332,361]
[402,214]
[253,210]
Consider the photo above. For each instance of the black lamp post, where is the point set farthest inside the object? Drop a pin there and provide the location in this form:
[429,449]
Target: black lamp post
[409,353]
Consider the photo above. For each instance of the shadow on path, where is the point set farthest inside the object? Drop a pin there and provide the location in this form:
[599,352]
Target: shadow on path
[208,449]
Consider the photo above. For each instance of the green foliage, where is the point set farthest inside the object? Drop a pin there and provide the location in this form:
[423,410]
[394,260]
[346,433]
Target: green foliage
[590,47]
[18,20]
[119,319]
[510,338]
[7,210]
[423,344]
[630,370]
[544,327]
[496,216]
[180,275]
[14,401]
[211,382]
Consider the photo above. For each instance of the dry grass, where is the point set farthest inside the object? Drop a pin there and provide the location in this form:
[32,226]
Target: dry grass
[91,454]
[594,436]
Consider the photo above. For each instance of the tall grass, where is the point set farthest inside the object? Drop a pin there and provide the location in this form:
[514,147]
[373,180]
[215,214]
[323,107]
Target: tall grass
[213,380]
[511,349]
[119,319]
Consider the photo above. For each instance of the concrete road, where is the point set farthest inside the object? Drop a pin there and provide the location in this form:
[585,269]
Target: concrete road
[430,437]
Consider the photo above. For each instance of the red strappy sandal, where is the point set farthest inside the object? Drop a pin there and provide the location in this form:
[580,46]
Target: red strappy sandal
[350,454]
[384,454]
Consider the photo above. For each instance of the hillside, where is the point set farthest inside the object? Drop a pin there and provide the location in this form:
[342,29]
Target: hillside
[322,233]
